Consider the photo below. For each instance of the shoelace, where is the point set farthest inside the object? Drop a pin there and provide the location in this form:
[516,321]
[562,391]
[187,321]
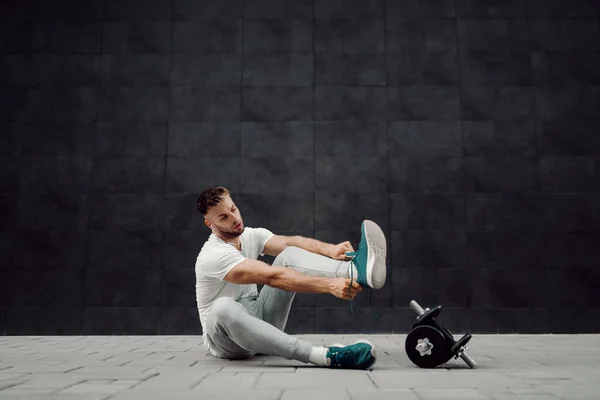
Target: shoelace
[353,254]
[341,358]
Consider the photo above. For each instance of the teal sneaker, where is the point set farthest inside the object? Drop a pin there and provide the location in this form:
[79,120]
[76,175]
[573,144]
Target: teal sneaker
[369,259]
[360,355]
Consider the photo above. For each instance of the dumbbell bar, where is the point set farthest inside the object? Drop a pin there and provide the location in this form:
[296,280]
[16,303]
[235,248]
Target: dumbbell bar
[462,353]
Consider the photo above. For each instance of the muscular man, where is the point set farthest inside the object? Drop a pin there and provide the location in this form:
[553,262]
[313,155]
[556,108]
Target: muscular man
[238,322]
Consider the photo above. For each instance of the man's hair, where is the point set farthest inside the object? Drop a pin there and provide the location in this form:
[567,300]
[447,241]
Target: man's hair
[211,197]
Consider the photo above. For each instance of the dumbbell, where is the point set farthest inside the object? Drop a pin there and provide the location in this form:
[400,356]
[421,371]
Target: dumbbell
[429,344]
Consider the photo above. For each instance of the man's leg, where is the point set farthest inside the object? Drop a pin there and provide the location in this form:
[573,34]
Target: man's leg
[234,333]
[275,304]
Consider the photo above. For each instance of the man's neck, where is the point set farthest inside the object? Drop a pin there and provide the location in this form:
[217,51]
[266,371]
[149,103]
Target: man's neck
[236,242]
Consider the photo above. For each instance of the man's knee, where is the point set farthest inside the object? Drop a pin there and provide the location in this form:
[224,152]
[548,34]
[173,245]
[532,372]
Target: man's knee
[225,311]
[287,255]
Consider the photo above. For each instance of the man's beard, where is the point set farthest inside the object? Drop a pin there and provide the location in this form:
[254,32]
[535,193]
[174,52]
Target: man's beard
[230,234]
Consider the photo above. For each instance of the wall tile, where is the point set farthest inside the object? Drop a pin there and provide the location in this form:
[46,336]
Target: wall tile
[58,175]
[349,69]
[180,248]
[493,34]
[9,175]
[215,36]
[490,9]
[53,211]
[369,174]
[427,212]
[348,138]
[571,250]
[44,320]
[426,174]
[569,137]
[570,67]
[362,103]
[279,103]
[121,249]
[129,37]
[176,289]
[423,103]
[508,251]
[495,288]
[499,137]
[191,175]
[46,249]
[423,68]
[127,287]
[278,70]
[44,287]
[126,211]
[155,10]
[63,105]
[120,320]
[203,139]
[505,212]
[129,104]
[433,138]
[564,34]
[194,10]
[131,139]
[365,36]
[277,175]
[430,250]
[278,35]
[409,9]
[8,211]
[129,175]
[66,37]
[421,35]
[574,174]
[286,211]
[11,140]
[273,139]
[181,212]
[204,104]
[135,70]
[179,321]
[205,70]
[346,211]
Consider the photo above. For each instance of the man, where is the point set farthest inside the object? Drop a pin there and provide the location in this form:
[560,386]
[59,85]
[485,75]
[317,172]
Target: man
[238,322]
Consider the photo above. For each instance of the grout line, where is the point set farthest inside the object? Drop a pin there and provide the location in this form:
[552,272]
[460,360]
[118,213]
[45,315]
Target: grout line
[241,115]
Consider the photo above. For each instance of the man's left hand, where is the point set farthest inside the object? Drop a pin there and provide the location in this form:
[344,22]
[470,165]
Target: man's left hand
[338,251]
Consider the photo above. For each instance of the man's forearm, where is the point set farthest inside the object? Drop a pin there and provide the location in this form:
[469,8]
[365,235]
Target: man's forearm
[312,245]
[293,281]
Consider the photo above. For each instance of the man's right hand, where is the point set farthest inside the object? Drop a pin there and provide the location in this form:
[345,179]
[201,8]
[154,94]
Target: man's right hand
[339,288]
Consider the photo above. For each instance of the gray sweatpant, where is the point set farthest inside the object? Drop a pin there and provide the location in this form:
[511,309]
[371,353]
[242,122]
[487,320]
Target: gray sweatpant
[250,326]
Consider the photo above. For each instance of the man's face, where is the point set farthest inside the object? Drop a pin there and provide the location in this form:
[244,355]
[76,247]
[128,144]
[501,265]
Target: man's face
[225,219]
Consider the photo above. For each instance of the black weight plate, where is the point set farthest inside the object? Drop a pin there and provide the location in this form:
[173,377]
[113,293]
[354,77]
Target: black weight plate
[437,355]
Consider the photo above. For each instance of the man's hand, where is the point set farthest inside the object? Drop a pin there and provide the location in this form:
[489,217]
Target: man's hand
[338,251]
[339,288]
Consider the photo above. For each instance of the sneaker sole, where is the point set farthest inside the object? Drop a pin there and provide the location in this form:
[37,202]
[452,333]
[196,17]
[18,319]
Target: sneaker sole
[377,249]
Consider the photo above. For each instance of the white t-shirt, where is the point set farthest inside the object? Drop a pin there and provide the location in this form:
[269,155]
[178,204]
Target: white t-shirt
[216,259]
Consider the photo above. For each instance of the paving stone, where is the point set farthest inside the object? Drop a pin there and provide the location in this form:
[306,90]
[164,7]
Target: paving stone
[323,394]
[316,378]
[394,394]
[451,394]
[224,382]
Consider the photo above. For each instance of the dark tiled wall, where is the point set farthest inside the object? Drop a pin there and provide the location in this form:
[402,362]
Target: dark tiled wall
[467,129]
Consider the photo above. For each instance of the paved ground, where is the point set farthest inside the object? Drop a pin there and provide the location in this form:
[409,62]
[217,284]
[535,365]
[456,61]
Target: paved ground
[157,367]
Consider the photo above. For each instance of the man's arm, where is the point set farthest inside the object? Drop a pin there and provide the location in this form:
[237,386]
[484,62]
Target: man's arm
[277,243]
[254,271]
